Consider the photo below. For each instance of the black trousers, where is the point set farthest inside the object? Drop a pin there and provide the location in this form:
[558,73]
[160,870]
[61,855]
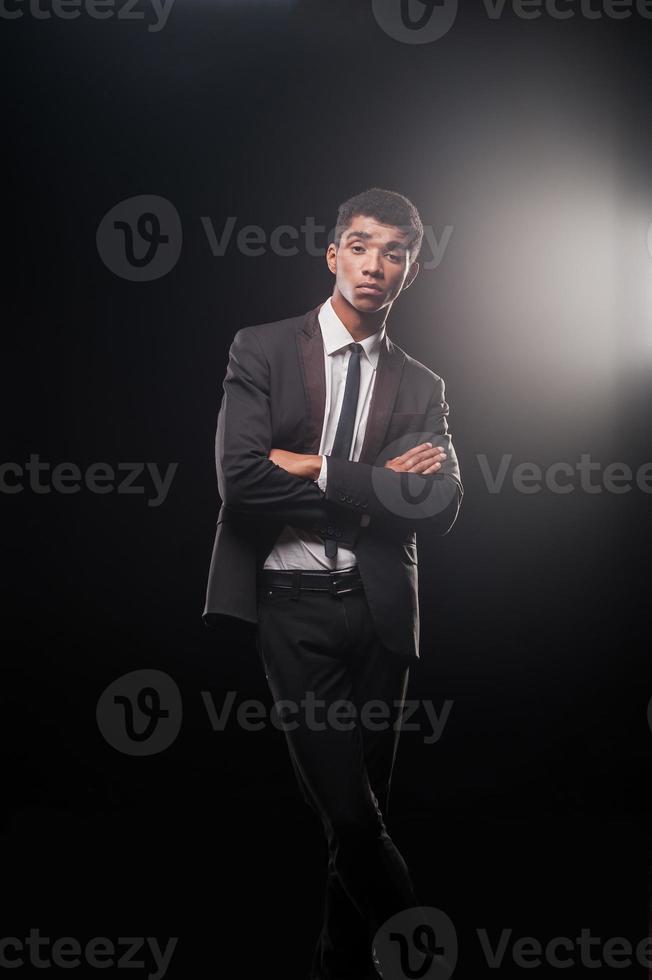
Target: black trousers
[318,649]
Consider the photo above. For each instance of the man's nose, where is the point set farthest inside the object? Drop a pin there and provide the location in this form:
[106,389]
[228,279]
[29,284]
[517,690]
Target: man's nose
[372,266]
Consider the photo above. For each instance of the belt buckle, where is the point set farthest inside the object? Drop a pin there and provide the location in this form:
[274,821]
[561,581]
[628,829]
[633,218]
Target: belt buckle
[334,590]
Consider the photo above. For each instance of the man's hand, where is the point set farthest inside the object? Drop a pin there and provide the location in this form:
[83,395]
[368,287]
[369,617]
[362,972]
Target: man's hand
[424,458]
[305,465]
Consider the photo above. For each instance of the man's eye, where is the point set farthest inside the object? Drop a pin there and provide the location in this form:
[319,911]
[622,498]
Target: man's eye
[393,255]
[356,247]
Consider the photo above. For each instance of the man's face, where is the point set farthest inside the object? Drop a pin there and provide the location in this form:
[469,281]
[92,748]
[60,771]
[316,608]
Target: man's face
[371,264]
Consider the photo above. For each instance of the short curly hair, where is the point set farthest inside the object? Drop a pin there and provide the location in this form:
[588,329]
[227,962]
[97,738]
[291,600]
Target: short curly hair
[388,207]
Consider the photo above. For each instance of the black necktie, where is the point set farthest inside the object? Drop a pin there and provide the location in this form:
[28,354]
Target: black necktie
[344,434]
[346,422]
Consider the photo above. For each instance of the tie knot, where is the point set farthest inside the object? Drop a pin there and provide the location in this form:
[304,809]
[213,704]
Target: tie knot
[356,348]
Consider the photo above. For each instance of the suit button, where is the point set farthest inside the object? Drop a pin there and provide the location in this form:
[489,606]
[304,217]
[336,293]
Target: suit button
[348,499]
[341,496]
[329,529]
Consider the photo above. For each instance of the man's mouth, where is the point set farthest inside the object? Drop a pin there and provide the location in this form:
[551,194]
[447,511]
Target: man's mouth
[370,287]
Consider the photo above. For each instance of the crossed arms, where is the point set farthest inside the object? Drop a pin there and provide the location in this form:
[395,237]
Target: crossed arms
[251,482]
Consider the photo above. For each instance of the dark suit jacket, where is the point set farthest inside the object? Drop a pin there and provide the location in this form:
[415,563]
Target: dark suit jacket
[274,396]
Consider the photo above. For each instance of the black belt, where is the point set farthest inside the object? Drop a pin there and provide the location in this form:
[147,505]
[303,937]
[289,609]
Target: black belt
[299,580]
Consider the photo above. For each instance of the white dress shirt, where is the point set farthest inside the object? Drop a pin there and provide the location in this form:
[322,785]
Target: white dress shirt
[296,547]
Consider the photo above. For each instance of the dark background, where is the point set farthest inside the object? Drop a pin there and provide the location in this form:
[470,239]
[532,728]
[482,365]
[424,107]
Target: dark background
[530,138]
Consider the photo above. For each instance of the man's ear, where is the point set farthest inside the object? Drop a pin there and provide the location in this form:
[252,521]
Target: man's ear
[331,257]
[412,274]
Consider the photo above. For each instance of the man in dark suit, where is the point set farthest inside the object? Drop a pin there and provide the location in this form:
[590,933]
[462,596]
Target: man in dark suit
[332,450]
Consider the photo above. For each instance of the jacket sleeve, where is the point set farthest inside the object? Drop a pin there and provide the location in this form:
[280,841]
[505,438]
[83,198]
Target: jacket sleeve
[248,481]
[409,501]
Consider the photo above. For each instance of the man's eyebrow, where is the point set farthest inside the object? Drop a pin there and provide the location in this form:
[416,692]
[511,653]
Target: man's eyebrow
[352,233]
[367,235]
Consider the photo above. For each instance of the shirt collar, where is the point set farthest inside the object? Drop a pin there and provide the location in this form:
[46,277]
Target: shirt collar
[336,336]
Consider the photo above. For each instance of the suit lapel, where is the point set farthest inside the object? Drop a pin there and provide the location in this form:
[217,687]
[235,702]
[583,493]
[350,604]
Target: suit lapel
[311,358]
[388,377]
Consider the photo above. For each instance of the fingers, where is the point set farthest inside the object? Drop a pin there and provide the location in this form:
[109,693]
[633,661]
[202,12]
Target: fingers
[424,468]
[407,456]
[424,459]
[427,462]
[424,451]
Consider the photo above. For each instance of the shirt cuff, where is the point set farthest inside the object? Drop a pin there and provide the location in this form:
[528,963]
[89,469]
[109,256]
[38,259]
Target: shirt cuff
[321,479]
